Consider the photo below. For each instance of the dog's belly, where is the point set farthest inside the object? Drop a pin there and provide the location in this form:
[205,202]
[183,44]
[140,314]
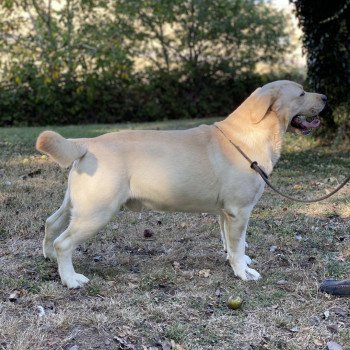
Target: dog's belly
[185,205]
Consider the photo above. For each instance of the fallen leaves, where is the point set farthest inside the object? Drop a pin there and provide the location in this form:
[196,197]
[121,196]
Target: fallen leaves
[294,329]
[16,294]
[183,225]
[147,233]
[125,339]
[124,343]
[176,346]
[326,315]
[318,342]
[298,187]
[31,174]
[176,265]
[339,311]
[165,345]
[344,255]
[205,273]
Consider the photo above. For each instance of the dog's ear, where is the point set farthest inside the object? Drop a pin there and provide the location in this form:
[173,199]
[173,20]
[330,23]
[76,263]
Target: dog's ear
[256,105]
[259,103]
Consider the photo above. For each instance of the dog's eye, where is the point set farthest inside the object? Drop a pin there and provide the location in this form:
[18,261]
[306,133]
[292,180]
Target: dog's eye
[302,94]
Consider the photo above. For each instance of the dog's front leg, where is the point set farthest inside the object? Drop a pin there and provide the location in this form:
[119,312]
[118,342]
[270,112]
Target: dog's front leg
[222,230]
[235,226]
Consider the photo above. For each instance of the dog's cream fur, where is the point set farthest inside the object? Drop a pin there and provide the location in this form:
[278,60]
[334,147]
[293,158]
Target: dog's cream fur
[195,170]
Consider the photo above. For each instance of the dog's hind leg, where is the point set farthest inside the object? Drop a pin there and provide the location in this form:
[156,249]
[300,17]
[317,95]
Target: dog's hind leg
[235,223]
[91,209]
[83,225]
[54,226]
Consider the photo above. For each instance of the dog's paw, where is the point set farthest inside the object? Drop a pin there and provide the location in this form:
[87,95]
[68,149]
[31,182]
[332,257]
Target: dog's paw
[247,274]
[74,281]
[241,269]
[252,275]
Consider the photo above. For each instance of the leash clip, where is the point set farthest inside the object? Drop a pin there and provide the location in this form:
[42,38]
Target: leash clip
[254,165]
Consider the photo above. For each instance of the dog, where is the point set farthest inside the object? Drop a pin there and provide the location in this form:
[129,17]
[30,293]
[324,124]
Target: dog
[194,170]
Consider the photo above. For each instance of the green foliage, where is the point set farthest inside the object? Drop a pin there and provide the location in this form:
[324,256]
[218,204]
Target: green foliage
[83,61]
[326,26]
[229,36]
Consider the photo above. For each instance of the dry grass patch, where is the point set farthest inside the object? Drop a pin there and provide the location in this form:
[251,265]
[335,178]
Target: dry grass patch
[170,290]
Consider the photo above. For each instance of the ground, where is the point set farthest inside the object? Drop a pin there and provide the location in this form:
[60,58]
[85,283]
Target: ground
[170,290]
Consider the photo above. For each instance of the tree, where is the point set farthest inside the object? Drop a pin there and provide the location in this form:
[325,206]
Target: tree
[226,35]
[326,27]
[56,39]
[196,48]
[57,59]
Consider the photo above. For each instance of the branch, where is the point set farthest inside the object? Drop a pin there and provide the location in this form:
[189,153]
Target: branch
[337,14]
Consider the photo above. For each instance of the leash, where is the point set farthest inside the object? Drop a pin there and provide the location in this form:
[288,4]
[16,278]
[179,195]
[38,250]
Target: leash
[255,166]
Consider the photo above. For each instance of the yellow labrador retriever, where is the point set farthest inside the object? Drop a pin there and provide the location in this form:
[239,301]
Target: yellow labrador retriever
[195,170]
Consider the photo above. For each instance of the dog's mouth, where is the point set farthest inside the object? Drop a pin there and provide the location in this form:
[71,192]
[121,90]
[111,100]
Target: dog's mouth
[300,123]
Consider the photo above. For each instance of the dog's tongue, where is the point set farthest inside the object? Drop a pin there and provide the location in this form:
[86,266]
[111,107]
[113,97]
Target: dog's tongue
[312,125]
[304,125]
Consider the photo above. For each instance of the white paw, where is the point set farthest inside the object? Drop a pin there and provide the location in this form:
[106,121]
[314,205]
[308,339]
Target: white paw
[247,274]
[252,275]
[244,272]
[248,260]
[74,281]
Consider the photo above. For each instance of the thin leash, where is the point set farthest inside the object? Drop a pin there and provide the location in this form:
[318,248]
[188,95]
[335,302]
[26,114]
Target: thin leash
[254,165]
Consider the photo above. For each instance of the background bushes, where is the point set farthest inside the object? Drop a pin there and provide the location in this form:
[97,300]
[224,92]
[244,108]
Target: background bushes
[96,100]
[107,61]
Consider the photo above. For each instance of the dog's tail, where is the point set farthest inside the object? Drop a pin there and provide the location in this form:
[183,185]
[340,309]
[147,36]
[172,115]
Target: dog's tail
[61,150]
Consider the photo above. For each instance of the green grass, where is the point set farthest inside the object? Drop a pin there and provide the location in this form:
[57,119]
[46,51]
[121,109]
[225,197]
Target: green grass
[176,331]
[136,291]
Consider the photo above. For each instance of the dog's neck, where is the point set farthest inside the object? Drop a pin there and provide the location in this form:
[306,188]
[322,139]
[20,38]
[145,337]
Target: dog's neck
[262,142]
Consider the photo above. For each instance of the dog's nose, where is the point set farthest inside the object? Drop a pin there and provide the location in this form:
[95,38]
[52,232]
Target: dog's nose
[324,98]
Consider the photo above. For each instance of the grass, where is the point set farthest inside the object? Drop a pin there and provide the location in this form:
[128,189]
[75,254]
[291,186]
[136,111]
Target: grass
[149,293]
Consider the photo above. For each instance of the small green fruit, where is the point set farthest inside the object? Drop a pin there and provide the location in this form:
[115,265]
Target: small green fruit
[234,303]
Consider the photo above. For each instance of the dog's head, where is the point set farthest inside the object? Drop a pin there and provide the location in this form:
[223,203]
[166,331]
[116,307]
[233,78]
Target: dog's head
[289,102]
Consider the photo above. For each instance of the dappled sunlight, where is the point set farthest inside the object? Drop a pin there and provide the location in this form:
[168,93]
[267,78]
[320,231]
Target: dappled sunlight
[339,205]
[298,143]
